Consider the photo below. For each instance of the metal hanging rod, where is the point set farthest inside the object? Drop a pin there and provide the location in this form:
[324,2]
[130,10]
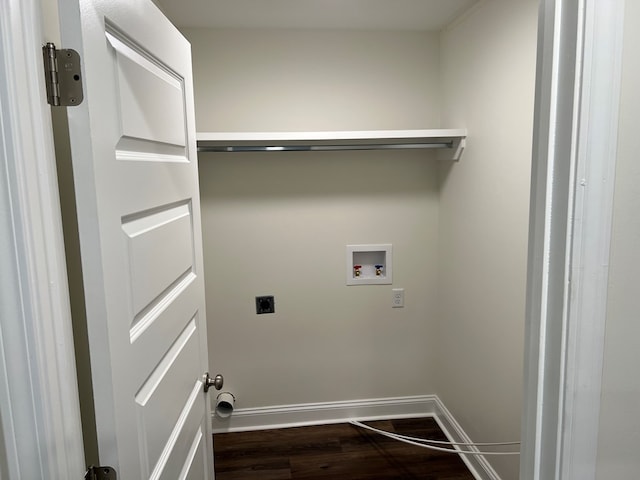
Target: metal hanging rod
[318,148]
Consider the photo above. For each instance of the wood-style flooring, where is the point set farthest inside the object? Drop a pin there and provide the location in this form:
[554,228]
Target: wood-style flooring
[340,451]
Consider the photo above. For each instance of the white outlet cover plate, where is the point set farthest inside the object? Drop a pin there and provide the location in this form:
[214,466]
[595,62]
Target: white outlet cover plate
[397,299]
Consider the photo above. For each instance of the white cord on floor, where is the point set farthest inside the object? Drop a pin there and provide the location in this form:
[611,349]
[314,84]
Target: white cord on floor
[405,439]
[463,444]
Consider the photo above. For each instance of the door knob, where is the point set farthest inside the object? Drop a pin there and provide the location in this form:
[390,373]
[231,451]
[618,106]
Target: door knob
[215,382]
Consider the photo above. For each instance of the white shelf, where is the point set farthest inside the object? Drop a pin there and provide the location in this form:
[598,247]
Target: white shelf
[451,141]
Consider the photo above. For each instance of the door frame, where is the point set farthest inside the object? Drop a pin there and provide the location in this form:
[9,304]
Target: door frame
[562,375]
[40,429]
[574,156]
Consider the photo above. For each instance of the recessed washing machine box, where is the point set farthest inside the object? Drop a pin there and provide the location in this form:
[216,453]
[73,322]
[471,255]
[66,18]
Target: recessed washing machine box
[369,264]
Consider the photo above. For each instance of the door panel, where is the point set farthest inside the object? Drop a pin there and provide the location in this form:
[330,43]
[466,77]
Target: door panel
[167,234]
[193,468]
[167,399]
[174,455]
[156,335]
[142,81]
[136,179]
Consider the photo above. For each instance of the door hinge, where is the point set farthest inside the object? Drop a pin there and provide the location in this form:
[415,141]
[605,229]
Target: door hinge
[100,473]
[62,76]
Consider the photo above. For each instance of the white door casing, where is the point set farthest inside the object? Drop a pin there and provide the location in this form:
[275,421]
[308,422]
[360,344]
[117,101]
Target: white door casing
[135,173]
[577,98]
[40,432]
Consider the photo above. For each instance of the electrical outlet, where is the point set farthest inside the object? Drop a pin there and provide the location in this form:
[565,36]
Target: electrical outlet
[265,304]
[397,299]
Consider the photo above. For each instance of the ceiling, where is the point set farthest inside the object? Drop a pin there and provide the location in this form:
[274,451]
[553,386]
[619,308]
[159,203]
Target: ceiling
[421,15]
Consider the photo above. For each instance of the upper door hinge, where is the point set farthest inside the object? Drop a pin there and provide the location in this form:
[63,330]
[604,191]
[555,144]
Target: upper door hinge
[62,76]
[100,473]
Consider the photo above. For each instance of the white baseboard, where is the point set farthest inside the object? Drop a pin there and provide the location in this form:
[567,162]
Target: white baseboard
[477,464]
[285,416]
[246,419]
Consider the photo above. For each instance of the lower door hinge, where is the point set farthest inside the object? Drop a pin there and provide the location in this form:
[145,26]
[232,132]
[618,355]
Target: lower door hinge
[100,473]
[62,76]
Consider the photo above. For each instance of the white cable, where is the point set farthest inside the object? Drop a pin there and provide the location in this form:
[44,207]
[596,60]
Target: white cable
[443,442]
[422,445]
[402,438]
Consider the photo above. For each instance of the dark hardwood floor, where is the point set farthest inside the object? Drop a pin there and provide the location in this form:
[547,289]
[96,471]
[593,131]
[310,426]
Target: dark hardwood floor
[340,451]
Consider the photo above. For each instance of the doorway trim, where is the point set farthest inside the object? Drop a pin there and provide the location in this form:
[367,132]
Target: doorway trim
[574,155]
[40,433]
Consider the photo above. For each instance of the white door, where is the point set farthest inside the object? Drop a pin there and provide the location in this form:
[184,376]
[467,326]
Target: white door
[135,168]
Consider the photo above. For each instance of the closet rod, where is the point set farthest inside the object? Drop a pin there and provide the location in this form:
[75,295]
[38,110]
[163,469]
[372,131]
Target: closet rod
[317,148]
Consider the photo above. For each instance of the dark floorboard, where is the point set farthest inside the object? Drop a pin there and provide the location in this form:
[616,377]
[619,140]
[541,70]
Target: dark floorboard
[340,451]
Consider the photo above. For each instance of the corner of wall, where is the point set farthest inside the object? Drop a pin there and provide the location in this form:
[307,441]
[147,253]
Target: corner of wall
[488,75]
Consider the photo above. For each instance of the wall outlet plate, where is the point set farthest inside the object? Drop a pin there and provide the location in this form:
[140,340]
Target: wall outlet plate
[265,304]
[397,299]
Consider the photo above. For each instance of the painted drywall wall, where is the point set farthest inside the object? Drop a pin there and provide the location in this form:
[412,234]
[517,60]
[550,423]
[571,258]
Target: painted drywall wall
[619,421]
[288,80]
[278,224]
[488,75]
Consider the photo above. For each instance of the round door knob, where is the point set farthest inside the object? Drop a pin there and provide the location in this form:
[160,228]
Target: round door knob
[215,382]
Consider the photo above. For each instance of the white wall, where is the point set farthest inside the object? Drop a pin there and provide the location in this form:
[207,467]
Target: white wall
[288,80]
[619,420]
[279,223]
[488,75]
